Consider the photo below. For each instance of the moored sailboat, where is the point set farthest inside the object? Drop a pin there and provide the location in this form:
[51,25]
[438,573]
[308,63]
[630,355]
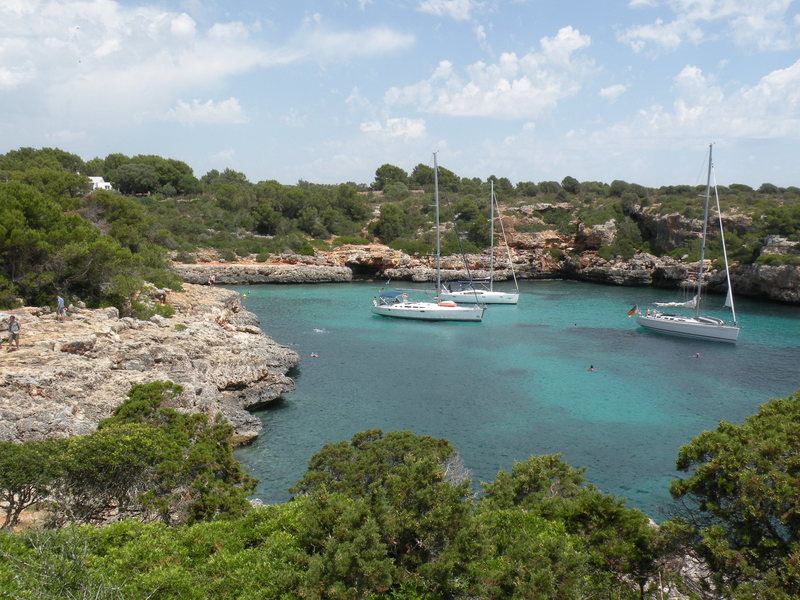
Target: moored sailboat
[696,325]
[476,291]
[398,304]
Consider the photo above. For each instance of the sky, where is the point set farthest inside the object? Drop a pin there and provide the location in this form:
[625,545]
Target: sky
[328,91]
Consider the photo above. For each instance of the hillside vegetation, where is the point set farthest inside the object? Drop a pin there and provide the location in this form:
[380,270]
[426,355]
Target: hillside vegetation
[57,236]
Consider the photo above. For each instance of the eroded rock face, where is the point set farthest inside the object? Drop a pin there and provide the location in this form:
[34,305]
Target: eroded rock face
[597,236]
[539,255]
[69,375]
[236,274]
[779,283]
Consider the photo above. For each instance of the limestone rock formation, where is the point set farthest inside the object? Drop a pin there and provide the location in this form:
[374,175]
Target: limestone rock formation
[533,255]
[288,272]
[779,283]
[69,375]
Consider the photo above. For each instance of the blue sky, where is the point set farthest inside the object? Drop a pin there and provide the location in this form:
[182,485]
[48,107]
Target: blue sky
[328,91]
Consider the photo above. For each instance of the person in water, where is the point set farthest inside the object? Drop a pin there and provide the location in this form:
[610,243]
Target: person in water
[591,367]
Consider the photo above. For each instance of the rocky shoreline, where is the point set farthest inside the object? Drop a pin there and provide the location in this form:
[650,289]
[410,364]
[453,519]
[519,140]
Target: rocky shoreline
[380,263]
[67,376]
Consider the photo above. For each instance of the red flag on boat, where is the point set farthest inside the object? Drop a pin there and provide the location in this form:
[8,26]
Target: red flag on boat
[633,311]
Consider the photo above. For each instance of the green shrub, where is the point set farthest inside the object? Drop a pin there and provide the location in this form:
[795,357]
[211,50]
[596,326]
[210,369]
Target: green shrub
[350,239]
[776,260]
[145,310]
[411,247]
[320,245]
[556,253]
[185,258]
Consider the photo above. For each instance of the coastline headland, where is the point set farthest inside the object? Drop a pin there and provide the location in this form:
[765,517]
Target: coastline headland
[67,376]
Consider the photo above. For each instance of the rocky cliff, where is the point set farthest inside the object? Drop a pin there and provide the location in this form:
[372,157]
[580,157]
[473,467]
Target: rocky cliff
[545,254]
[67,376]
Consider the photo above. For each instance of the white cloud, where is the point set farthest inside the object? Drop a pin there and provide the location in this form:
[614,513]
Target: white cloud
[208,112]
[404,128]
[613,92]
[295,119]
[513,88]
[371,127]
[480,33]
[229,32]
[357,102]
[768,109]
[762,24]
[183,26]
[12,78]
[317,42]
[97,62]
[455,9]
[106,47]
[665,36]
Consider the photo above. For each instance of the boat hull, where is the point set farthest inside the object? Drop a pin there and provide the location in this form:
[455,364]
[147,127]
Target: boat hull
[429,311]
[480,297]
[705,328]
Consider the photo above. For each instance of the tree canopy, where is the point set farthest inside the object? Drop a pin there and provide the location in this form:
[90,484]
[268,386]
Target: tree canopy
[388,515]
[741,493]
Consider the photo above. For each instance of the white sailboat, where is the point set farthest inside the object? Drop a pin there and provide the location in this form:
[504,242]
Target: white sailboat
[397,303]
[476,291]
[697,326]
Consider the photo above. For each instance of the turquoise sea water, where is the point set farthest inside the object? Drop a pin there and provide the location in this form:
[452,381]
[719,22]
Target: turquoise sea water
[516,384]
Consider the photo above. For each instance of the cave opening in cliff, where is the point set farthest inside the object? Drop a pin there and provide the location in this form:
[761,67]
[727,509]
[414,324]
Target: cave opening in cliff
[365,272]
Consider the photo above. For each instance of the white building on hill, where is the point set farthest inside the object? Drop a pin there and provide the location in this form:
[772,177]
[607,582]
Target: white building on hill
[98,183]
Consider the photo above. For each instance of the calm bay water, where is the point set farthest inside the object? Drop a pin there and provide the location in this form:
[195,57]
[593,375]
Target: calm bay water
[516,384]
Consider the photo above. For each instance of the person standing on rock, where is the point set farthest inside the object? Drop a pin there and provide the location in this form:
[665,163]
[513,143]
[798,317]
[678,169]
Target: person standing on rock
[13,333]
[60,310]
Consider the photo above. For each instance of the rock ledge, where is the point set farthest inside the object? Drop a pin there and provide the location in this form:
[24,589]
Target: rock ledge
[67,376]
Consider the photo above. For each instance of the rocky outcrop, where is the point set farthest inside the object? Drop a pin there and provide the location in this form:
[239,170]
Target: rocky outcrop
[69,375]
[596,236]
[589,267]
[532,255]
[236,274]
[779,283]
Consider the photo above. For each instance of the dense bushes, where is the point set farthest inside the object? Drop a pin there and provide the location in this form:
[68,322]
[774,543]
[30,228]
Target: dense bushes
[147,462]
[392,515]
[383,513]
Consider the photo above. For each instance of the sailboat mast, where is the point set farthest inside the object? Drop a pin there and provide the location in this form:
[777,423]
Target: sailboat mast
[491,237]
[701,262]
[436,212]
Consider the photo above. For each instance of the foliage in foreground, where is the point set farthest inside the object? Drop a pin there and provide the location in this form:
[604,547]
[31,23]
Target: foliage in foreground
[743,501]
[382,515]
[390,515]
[147,462]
